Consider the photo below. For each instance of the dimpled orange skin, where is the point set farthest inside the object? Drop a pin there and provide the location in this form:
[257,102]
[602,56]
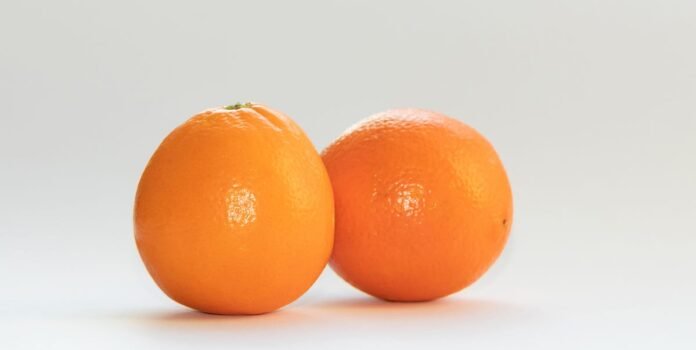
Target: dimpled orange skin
[234,212]
[423,205]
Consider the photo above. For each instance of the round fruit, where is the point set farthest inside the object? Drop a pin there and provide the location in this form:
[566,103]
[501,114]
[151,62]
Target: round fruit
[423,205]
[234,212]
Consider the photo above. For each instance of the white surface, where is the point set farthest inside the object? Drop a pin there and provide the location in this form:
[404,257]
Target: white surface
[591,105]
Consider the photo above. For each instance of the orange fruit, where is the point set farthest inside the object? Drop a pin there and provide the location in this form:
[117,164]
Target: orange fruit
[423,205]
[234,212]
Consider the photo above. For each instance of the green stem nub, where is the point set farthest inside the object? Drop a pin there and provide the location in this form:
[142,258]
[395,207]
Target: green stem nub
[237,106]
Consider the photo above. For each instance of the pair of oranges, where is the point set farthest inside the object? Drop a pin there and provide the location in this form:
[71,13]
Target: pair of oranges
[237,213]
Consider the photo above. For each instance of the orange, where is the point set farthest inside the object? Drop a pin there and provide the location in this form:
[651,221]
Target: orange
[234,212]
[423,205]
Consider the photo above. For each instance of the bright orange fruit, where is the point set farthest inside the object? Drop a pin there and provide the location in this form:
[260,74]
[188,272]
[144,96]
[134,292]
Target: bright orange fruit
[423,205]
[234,212]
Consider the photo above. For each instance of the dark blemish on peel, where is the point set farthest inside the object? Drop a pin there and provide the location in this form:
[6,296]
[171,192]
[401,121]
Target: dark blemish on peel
[504,222]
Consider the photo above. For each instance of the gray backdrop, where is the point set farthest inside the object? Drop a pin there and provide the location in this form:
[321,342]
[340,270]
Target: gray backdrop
[591,105]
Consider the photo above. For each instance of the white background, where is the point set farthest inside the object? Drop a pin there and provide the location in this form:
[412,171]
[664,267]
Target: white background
[591,105]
